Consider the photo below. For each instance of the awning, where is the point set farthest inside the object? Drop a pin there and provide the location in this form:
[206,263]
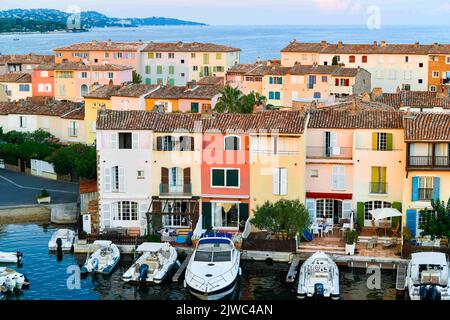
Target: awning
[383,213]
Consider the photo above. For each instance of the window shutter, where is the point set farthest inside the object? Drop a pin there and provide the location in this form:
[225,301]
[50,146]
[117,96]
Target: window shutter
[206,215]
[341,181]
[436,188]
[346,209]
[114,144]
[375,175]
[115,211]
[336,82]
[191,143]
[276,181]
[187,180]
[158,143]
[389,141]
[164,180]
[270,80]
[311,208]
[383,179]
[284,181]
[411,221]
[415,189]
[121,179]
[107,179]
[143,207]
[106,215]
[374,140]
[243,214]
[135,141]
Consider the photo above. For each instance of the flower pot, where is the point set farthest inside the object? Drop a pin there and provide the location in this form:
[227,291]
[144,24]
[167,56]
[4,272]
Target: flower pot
[350,249]
[44,200]
[194,242]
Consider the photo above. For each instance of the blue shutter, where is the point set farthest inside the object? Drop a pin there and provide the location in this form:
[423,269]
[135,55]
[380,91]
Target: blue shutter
[271,95]
[437,188]
[411,221]
[277,95]
[271,80]
[415,189]
[280,80]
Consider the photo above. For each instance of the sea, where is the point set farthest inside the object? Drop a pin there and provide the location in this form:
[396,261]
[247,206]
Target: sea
[264,42]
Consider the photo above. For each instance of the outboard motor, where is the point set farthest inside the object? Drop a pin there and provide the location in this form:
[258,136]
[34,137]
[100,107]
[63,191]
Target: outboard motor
[59,244]
[19,256]
[143,272]
[319,289]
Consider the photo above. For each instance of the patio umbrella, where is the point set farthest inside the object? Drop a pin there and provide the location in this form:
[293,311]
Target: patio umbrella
[351,220]
[383,213]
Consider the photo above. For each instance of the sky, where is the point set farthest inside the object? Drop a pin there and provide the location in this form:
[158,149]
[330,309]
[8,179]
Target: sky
[263,12]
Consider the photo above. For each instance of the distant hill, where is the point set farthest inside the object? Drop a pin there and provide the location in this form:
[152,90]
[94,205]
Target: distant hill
[42,20]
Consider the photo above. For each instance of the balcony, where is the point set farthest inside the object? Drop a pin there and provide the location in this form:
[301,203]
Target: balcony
[425,193]
[169,190]
[329,152]
[378,187]
[429,162]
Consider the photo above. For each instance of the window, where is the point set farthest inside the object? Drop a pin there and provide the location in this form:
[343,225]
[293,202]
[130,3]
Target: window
[314,173]
[115,179]
[59,54]
[22,122]
[225,214]
[193,55]
[433,88]
[371,205]
[44,74]
[171,55]
[421,220]
[421,65]
[338,178]
[447,60]
[426,188]
[106,54]
[182,61]
[325,207]
[206,58]
[406,59]
[73,132]
[279,181]
[232,143]
[364,59]
[274,95]
[84,90]
[378,182]
[158,55]
[351,59]
[24,87]
[84,75]
[182,75]
[62,89]
[125,140]
[218,56]
[311,81]
[148,81]
[194,107]
[175,220]
[150,55]
[168,143]
[324,78]
[316,95]
[435,74]
[171,70]
[275,80]
[225,177]
[420,81]
[126,210]
[148,69]
[406,87]
[45,123]
[382,141]
[195,68]
[176,179]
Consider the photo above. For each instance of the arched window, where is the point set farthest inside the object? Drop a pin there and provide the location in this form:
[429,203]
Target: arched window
[232,143]
[84,90]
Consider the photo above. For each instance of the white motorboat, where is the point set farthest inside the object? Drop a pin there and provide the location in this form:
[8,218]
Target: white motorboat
[10,257]
[104,259]
[156,260]
[213,269]
[62,239]
[427,276]
[319,277]
[11,280]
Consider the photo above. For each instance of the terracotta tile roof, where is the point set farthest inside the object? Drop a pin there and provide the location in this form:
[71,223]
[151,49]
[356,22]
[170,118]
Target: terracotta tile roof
[80,66]
[104,92]
[16,77]
[284,122]
[211,80]
[102,46]
[134,90]
[88,186]
[27,58]
[356,114]
[375,48]
[42,106]
[422,99]
[166,92]
[269,70]
[202,92]
[187,47]
[77,114]
[347,72]
[243,68]
[427,127]
[45,66]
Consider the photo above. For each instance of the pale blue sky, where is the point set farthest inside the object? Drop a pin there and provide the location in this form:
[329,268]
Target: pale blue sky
[261,12]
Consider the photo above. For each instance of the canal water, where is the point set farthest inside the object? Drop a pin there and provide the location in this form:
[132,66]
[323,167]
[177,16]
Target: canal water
[49,277]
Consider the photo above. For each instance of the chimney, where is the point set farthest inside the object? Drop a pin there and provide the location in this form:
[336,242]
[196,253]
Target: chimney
[365,97]
[258,60]
[179,44]
[375,43]
[436,44]
[207,112]
[398,89]
[109,42]
[376,93]
[416,45]
[383,43]
[340,44]
[191,84]
[324,42]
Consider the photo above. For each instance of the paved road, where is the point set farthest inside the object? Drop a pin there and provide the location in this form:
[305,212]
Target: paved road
[21,189]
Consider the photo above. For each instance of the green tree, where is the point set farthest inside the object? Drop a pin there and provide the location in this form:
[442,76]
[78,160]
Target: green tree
[437,222]
[289,216]
[136,77]
[335,61]
[232,100]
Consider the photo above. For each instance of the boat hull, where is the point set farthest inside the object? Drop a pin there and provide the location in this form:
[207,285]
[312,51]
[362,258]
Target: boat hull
[214,295]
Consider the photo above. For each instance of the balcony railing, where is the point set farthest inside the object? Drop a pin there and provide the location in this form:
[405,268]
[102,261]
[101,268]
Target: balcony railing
[429,161]
[425,193]
[378,187]
[166,189]
[329,152]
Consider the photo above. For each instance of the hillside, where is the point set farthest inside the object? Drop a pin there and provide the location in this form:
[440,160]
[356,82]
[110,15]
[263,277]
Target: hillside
[52,20]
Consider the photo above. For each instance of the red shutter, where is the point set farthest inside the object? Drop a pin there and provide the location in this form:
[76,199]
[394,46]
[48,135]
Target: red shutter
[352,59]
[158,143]
[336,82]
[364,59]
[191,139]
[165,180]
[187,180]
[347,82]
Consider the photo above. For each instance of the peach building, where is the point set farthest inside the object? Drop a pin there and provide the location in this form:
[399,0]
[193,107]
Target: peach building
[16,86]
[23,63]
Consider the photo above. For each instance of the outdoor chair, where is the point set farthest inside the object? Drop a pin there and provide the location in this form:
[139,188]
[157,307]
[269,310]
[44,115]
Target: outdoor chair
[372,243]
[374,228]
[394,231]
[328,229]
[390,244]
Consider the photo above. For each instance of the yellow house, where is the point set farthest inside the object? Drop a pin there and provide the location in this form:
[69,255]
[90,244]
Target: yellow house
[166,97]
[427,166]
[277,157]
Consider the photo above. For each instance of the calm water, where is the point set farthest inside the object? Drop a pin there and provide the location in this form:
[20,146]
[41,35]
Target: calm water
[48,276]
[255,41]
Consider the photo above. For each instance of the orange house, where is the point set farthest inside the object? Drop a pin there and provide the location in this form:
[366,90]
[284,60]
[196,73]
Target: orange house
[439,69]
[42,80]
[225,172]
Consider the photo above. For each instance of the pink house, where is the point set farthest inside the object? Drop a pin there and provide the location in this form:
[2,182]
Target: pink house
[131,96]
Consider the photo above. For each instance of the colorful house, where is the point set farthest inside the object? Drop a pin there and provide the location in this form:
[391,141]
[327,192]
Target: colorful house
[43,81]
[101,53]
[427,137]
[439,69]
[16,86]
[414,101]
[181,62]
[23,63]
[73,80]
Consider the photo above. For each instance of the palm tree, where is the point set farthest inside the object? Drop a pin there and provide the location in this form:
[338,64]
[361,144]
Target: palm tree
[229,101]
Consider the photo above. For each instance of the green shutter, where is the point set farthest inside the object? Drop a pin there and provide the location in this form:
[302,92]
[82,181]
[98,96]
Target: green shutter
[243,214]
[271,95]
[172,82]
[214,69]
[396,220]
[148,69]
[206,215]
[360,214]
[270,80]
[194,107]
[148,81]
[383,180]
[374,140]
[389,141]
[171,69]
[159,69]
[218,177]
[205,58]
[232,178]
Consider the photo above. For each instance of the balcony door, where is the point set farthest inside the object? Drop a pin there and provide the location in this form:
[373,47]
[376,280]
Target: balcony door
[441,154]
[175,180]
[330,141]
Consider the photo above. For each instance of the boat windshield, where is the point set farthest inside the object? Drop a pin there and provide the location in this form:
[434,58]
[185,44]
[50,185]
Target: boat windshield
[209,256]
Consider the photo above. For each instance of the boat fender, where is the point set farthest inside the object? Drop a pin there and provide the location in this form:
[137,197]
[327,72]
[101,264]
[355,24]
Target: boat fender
[94,264]
[143,272]
[319,289]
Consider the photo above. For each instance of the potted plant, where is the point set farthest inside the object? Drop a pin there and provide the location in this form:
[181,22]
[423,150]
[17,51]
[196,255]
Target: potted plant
[350,238]
[194,240]
[43,197]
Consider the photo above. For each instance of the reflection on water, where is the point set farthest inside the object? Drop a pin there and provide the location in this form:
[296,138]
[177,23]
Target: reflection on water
[49,277]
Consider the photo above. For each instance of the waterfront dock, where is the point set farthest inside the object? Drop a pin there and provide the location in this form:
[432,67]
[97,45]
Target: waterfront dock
[293,269]
[182,268]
